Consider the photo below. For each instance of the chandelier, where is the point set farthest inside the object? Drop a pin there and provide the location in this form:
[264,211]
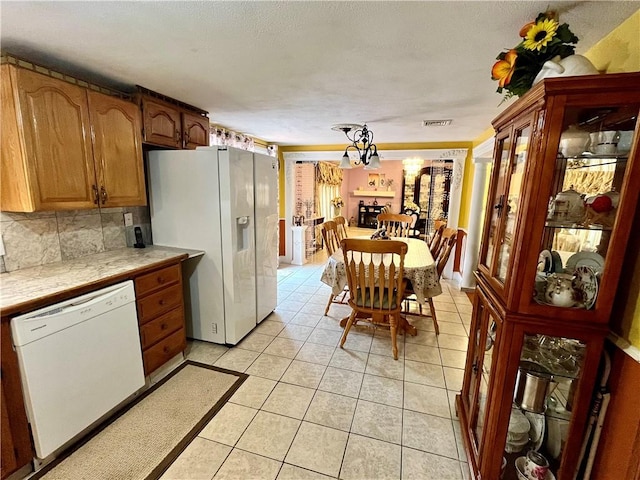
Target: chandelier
[361,139]
[412,167]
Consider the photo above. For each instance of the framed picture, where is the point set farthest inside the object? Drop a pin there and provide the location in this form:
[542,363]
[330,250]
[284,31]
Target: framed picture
[373,180]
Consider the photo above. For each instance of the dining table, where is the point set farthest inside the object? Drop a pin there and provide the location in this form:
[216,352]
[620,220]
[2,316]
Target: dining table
[419,268]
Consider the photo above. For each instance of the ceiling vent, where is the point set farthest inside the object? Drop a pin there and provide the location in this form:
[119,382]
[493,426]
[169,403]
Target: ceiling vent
[436,123]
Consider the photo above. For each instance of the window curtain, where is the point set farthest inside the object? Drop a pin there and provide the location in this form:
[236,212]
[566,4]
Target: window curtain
[329,182]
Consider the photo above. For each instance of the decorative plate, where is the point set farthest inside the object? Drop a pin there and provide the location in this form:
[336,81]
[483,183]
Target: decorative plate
[536,432]
[557,262]
[585,259]
[545,261]
[587,283]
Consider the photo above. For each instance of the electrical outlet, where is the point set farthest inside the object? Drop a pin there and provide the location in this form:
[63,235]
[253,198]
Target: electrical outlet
[128,219]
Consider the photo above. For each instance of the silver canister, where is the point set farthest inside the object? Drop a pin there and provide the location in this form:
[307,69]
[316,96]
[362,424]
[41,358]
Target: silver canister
[535,392]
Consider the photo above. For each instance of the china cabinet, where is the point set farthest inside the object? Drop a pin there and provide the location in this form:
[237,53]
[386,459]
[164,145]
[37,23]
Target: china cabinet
[65,146]
[430,190]
[564,188]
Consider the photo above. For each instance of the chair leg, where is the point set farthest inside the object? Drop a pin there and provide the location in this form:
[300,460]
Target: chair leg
[347,327]
[393,327]
[433,316]
[326,310]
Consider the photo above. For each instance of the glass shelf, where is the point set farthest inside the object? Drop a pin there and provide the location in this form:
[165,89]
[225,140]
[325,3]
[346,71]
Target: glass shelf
[592,161]
[575,226]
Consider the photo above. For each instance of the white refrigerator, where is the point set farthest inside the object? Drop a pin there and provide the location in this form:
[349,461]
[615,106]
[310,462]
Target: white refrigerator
[223,201]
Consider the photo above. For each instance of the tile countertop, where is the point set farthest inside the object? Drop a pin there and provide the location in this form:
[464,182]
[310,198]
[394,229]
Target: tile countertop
[35,284]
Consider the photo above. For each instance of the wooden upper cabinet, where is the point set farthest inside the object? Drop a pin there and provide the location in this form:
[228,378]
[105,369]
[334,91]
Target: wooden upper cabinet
[52,159]
[171,123]
[117,150]
[196,130]
[65,147]
[162,123]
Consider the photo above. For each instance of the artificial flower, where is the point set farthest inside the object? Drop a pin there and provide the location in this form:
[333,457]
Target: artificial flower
[337,202]
[503,69]
[541,40]
[540,34]
[525,29]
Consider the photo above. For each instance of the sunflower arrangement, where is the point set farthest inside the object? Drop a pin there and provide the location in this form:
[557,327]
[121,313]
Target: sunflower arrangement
[542,40]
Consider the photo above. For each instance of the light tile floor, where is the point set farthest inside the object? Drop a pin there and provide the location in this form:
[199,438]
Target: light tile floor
[310,410]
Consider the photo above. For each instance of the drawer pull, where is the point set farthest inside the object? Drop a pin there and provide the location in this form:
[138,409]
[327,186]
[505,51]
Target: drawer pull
[166,349]
[164,326]
[161,280]
[162,301]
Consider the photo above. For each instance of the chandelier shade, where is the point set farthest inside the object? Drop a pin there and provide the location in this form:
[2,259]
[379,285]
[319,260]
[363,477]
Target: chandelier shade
[361,139]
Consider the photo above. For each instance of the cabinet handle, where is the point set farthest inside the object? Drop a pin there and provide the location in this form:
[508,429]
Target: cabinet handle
[162,302]
[160,279]
[187,139]
[166,349]
[164,326]
[96,195]
[103,194]
[475,368]
[178,137]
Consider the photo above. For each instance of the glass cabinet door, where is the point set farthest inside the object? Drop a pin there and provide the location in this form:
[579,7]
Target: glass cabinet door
[501,164]
[587,186]
[543,399]
[484,339]
[511,159]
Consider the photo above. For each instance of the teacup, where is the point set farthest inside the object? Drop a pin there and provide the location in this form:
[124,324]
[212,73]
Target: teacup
[535,466]
[606,142]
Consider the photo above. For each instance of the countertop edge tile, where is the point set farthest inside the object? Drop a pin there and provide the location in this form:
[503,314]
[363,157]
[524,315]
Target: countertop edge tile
[22,288]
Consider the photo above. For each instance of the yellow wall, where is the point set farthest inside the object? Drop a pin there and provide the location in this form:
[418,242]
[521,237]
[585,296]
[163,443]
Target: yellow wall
[619,52]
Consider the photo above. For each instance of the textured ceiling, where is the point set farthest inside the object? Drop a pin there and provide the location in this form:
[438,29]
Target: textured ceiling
[286,71]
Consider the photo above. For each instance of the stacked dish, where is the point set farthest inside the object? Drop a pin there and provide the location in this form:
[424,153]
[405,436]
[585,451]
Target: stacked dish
[518,433]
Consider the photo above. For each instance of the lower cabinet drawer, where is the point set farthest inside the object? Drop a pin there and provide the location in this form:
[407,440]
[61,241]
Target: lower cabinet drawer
[158,303]
[156,280]
[163,351]
[155,330]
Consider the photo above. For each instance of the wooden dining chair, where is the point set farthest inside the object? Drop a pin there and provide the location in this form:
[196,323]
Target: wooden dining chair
[375,271]
[436,239]
[341,223]
[447,233]
[440,261]
[396,224]
[331,240]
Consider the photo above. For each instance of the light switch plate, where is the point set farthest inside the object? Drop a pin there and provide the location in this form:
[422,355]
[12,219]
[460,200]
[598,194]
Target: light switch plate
[128,219]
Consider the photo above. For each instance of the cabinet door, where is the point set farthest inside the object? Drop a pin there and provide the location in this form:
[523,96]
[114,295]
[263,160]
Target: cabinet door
[55,119]
[117,150]
[195,130]
[548,408]
[162,123]
[588,198]
[503,212]
[16,440]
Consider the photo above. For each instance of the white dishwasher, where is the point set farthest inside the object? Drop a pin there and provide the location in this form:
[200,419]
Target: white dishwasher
[78,360]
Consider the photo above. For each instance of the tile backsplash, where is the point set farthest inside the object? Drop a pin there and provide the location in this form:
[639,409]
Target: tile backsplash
[32,239]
